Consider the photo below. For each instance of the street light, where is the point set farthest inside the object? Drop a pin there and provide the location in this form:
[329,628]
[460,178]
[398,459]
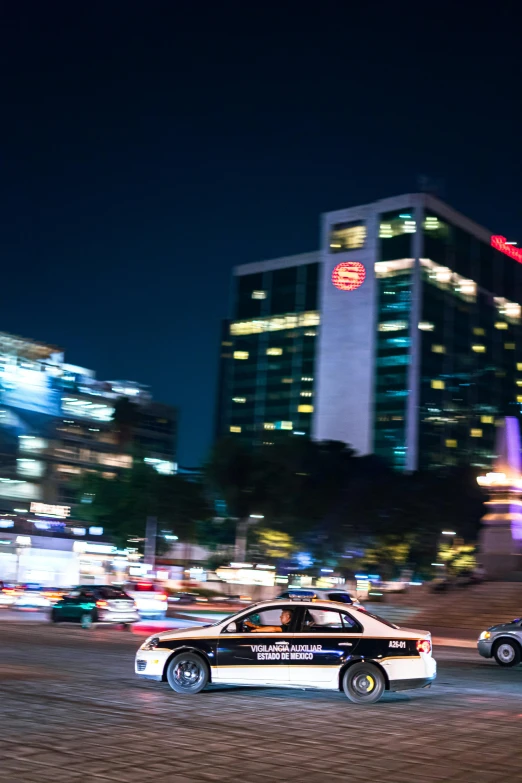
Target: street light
[449,533]
[257,516]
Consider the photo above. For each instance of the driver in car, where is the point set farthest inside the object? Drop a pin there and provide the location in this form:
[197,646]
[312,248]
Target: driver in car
[286,622]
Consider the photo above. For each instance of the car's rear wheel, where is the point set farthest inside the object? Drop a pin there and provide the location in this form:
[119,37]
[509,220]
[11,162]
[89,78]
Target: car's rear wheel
[363,683]
[55,617]
[187,673]
[507,653]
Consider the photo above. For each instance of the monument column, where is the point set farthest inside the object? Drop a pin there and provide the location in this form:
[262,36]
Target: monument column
[500,540]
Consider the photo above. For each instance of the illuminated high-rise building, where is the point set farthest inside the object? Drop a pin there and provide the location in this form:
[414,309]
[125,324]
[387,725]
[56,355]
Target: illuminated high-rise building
[401,335]
[59,423]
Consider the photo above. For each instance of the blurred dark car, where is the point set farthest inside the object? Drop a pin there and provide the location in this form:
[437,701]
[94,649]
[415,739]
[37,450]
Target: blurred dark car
[91,604]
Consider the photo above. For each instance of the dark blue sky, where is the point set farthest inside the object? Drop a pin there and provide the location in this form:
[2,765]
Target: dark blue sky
[148,147]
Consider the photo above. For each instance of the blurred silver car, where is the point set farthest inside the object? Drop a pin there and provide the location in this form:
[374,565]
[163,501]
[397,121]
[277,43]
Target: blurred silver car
[502,642]
[321,594]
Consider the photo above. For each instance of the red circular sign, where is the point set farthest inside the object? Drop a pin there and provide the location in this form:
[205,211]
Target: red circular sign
[348,275]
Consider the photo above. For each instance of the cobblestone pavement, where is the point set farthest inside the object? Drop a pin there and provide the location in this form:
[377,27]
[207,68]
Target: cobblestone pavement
[72,711]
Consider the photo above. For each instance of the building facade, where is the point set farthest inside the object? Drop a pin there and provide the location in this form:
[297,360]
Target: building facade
[58,422]
[401,335]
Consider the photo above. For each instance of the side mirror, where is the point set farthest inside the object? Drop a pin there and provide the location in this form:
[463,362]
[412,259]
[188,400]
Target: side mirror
[231,628]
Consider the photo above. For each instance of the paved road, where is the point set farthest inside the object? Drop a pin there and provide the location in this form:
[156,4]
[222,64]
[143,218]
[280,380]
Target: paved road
[71,710]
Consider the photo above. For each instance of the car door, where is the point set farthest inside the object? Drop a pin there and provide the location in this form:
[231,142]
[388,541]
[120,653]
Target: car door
[323,640]
[255,648]
[68,606]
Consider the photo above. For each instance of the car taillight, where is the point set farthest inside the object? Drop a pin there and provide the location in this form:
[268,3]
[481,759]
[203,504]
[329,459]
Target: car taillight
[424,645]
[101,603]
[162,597]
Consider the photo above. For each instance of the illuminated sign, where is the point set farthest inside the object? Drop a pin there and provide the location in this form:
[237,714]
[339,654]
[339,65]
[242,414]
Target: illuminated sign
[348,275]
[95,549]
[44,509]
[501,243]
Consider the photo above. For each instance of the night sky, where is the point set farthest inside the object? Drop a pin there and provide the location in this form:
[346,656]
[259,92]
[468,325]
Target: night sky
[148,147]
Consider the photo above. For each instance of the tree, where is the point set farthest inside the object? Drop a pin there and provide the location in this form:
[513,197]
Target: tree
[121,505]
[274,544]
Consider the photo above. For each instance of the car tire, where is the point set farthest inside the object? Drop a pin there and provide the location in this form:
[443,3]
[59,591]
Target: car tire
[187,673]
[363,683]
[507,653]
[86,620]
[54,616]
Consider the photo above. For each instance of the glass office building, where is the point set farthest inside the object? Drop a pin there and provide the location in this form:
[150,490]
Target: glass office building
[401,336]
[57,424]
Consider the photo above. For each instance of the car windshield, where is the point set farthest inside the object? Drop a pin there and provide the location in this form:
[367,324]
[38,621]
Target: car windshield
[112,592]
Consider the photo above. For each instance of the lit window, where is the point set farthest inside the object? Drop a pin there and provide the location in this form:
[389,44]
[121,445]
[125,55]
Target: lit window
[501,325]
[347,236]
[510,310]
[392,268]
[393,326]
[519,366]
[431,223]
[307,378]
[451,444]
[509,346]
[478,348]
[274,351]
[238,399]
[310,334]
[285,425]
[268,425]
[309,393]
[276,323]
[426,326]
[258,294]
[487,419]
[287,380]
[241,354]
[235,429]
[401,224]
[468,289]
[475,433]
[479,331]
[438,348]
[519,398]
[305,408]
[438,385]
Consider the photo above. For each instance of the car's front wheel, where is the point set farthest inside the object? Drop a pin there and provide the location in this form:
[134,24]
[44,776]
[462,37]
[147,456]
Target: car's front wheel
[187,673]
[363,683]
[507,653]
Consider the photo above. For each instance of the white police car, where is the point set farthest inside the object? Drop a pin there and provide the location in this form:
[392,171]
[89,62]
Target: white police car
[287,643]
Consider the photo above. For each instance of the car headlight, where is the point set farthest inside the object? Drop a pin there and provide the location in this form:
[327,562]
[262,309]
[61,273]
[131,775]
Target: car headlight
[150,644]
[485,635]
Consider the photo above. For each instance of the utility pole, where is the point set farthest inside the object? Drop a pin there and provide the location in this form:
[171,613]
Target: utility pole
[151,530]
